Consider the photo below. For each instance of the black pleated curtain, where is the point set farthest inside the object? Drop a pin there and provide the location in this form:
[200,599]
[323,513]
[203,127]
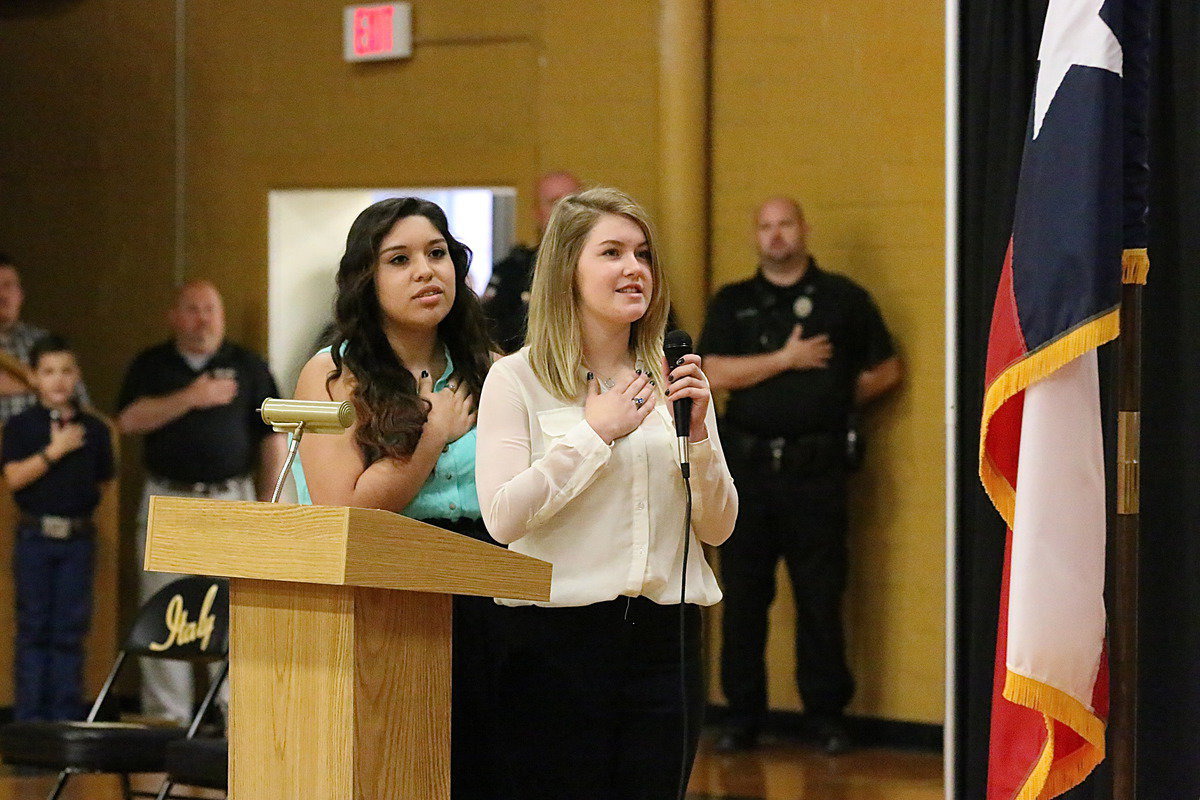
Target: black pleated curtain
[998,56]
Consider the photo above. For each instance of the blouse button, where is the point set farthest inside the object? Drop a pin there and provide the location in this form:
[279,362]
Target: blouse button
[452,506]
[640,506]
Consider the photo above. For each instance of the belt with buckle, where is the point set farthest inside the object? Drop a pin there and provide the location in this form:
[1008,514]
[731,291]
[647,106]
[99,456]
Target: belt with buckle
[54,527]
[805,454]
[197,487]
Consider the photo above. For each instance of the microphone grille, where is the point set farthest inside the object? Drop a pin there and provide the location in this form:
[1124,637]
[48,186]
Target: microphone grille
[676,344]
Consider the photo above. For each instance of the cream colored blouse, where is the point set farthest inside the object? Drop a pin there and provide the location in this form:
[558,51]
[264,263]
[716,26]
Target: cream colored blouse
[608,517]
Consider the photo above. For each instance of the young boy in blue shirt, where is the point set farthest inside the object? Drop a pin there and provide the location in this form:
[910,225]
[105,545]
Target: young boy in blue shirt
[56,458]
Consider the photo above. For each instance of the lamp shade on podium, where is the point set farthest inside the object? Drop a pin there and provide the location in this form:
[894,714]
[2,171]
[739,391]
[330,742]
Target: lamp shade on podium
[340,636]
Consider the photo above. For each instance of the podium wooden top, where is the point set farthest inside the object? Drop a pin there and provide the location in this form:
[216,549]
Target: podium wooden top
[332,545]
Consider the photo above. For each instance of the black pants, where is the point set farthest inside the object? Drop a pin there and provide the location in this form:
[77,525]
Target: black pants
[590,701]
[802,521]
[472,713]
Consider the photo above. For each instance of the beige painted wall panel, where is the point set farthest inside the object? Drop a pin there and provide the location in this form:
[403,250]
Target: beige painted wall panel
[841,106]
[598,94]
[806,101]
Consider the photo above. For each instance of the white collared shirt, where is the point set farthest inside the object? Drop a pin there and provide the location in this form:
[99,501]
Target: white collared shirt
[608,517]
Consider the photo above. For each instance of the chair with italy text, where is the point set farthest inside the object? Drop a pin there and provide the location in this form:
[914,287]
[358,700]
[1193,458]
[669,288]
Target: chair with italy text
[187,620]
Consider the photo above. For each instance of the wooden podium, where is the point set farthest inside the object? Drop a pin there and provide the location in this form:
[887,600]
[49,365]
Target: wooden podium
[339,639]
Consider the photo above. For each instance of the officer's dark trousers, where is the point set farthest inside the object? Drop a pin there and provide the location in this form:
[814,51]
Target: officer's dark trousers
[53,580]
[802,521]
[591,703]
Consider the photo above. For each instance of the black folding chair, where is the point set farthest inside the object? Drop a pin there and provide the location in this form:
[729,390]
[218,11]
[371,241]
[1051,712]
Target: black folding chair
[199,761]
[186,620]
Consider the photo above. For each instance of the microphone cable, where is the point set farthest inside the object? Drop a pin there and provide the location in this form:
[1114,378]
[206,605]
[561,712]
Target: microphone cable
[685,469]
[676,346]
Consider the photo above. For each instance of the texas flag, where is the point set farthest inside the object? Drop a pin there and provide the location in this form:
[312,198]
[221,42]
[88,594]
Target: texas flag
[1077,229]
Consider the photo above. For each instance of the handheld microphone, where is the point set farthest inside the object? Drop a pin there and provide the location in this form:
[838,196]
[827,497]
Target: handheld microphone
[677,345]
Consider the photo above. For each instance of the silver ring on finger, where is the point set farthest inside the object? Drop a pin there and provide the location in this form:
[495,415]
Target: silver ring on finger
[638,401]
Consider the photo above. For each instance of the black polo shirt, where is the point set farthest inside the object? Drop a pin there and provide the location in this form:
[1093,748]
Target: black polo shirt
[506,299]
[756,316]
[204,445]
[71,487]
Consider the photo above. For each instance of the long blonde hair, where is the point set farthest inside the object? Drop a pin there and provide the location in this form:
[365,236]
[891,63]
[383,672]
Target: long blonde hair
[555,330]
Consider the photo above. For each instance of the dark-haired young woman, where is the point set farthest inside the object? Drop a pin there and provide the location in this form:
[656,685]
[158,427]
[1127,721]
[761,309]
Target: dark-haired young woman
[411,354]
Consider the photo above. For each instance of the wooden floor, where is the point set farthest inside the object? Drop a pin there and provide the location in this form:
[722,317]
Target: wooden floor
[783,769]
[779,770]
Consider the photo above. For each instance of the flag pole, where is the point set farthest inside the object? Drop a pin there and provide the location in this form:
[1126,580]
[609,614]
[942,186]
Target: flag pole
[1123,551]
[1125,532]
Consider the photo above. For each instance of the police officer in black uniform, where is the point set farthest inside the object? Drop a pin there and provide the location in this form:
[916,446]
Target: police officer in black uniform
[799,349]
[506,299]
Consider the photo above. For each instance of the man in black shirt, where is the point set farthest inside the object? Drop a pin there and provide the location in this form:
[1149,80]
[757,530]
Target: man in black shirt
[56,458]
[799,349]
[195,398]
[506,299]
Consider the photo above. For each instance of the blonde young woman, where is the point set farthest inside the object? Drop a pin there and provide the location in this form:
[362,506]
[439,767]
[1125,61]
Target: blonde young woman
[576,464]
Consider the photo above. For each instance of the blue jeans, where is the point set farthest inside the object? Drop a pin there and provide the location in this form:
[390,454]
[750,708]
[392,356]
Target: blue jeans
[53,579]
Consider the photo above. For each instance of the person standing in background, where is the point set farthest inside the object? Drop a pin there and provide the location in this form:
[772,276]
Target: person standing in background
[799,350]
[506,299]
[16,340]
[56,459]
[195,398]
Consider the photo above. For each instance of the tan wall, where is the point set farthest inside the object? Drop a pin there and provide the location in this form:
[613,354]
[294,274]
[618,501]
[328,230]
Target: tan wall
[493,95]
[85,182]
[840,105]
[86,148]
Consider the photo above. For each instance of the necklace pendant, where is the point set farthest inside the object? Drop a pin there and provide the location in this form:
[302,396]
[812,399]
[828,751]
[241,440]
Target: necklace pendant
[608,383]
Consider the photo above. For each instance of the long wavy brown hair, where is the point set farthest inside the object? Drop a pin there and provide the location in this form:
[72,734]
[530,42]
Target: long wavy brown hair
[390,412]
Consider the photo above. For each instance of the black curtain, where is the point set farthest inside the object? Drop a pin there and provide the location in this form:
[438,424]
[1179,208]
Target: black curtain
[997,71]
[998,56]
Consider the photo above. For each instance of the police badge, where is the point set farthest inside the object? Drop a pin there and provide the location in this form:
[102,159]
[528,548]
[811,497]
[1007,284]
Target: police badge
[802,307]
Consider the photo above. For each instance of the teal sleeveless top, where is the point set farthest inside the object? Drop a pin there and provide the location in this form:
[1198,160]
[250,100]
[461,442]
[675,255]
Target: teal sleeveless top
[449,491]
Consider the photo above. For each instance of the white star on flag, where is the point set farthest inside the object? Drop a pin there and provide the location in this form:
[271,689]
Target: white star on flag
[1074,34]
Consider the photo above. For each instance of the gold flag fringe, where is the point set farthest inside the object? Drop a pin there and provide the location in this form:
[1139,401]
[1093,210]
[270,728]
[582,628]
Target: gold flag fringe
[1135,266]
[1024,373]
